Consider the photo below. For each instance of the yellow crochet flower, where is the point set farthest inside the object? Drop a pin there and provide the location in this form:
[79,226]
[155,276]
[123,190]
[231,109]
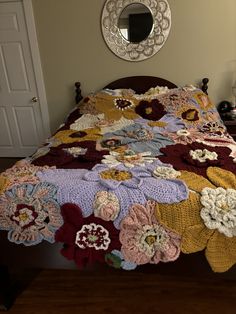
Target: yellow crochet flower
[207,219]
[115,107]
[72,136]
[204,101]
[3,184]
[189,114]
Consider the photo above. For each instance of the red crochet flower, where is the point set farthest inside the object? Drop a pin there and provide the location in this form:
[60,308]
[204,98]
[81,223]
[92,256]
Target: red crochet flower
[183,157]
[151,110]
[86,240]
[59,157]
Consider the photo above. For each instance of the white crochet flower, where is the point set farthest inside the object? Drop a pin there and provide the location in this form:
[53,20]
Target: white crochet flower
[93,236]
[76,151]
[163,172]
[203,155]
[183,132]
[87,121]
[129,159]
[219,211]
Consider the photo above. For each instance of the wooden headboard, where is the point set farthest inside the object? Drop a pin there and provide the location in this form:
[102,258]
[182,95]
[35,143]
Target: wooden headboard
[140,84]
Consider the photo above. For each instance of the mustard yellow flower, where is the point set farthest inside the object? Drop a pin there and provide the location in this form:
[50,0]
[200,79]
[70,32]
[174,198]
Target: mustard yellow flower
[115,107]
[207,219]
[72,136]
[3,184]
[203,101]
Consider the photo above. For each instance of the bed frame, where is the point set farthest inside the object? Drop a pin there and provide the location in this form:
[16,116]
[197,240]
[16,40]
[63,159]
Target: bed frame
[140,84]
[44,255]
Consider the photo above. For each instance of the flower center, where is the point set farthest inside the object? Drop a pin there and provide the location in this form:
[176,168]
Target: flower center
[118,175]
[151,239]
[148,110]
[190,115]
[141,135]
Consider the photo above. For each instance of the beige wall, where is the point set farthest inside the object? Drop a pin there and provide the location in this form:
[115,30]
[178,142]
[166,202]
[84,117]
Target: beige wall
[202,43]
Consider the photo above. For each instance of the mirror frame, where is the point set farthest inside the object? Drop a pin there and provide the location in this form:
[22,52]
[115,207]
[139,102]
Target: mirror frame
[146,48]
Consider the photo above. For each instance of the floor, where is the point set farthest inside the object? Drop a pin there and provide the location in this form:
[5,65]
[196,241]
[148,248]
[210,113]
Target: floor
[122,292]
[114,291]
[7,162]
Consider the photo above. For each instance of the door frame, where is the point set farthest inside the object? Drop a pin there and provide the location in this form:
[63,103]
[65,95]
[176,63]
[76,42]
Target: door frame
[36,62]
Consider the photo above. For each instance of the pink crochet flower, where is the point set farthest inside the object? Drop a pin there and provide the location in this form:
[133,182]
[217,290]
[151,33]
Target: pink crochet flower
[106,205]
[144,240]
[185,136]
[22,172]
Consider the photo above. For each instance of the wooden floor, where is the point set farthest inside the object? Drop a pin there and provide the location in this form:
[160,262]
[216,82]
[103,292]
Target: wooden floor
[7,162]
[114,291]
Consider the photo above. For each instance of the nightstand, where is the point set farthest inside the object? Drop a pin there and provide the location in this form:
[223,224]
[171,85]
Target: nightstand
[231,127]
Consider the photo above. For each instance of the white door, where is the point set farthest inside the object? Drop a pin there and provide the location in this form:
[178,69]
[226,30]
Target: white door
[23,120]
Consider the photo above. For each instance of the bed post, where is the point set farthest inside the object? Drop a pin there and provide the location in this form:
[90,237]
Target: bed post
[78,95]
[204,85]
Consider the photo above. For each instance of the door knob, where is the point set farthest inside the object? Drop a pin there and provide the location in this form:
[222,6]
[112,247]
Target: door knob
[34,99]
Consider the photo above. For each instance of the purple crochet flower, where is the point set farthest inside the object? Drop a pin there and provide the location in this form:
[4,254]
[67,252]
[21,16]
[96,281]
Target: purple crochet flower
[130,186]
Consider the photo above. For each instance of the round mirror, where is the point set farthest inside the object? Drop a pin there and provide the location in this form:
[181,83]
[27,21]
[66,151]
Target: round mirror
[135,22]
[135,29]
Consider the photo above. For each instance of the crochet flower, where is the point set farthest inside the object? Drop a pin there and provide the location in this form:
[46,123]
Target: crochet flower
[186,136]
[150,109]
[196,157]
[21,172]
[71,136]
[207,219]
[115,107]
[129,158]
[164,172]
[106,205]
[86,240]
[72,156]
[116,260]
[110,143]
[129,185]
[175,99]
[190,115]
[144,240]
[203,100]
[168,123]
[140,139]
[30,213]
[213,128]
[86,121]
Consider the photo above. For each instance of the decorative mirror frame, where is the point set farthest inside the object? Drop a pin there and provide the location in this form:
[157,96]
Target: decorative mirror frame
[145,49]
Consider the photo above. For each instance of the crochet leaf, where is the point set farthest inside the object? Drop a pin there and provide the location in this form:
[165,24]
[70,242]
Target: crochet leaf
[222,178]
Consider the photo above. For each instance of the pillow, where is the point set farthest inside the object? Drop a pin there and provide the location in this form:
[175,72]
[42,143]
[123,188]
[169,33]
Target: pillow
[119,91]
[152,92]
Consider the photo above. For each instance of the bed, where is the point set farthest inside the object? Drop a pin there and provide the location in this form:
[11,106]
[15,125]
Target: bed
[141,172]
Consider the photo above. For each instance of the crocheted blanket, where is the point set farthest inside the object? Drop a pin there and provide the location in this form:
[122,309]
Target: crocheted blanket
[127,180]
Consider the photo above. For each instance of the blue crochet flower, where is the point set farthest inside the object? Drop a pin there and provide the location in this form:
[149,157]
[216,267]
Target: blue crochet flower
[31,213]
[135,185]
[140,139]
[168,123]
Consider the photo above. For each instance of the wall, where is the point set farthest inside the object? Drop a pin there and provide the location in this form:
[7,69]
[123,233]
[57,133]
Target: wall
[202,43]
